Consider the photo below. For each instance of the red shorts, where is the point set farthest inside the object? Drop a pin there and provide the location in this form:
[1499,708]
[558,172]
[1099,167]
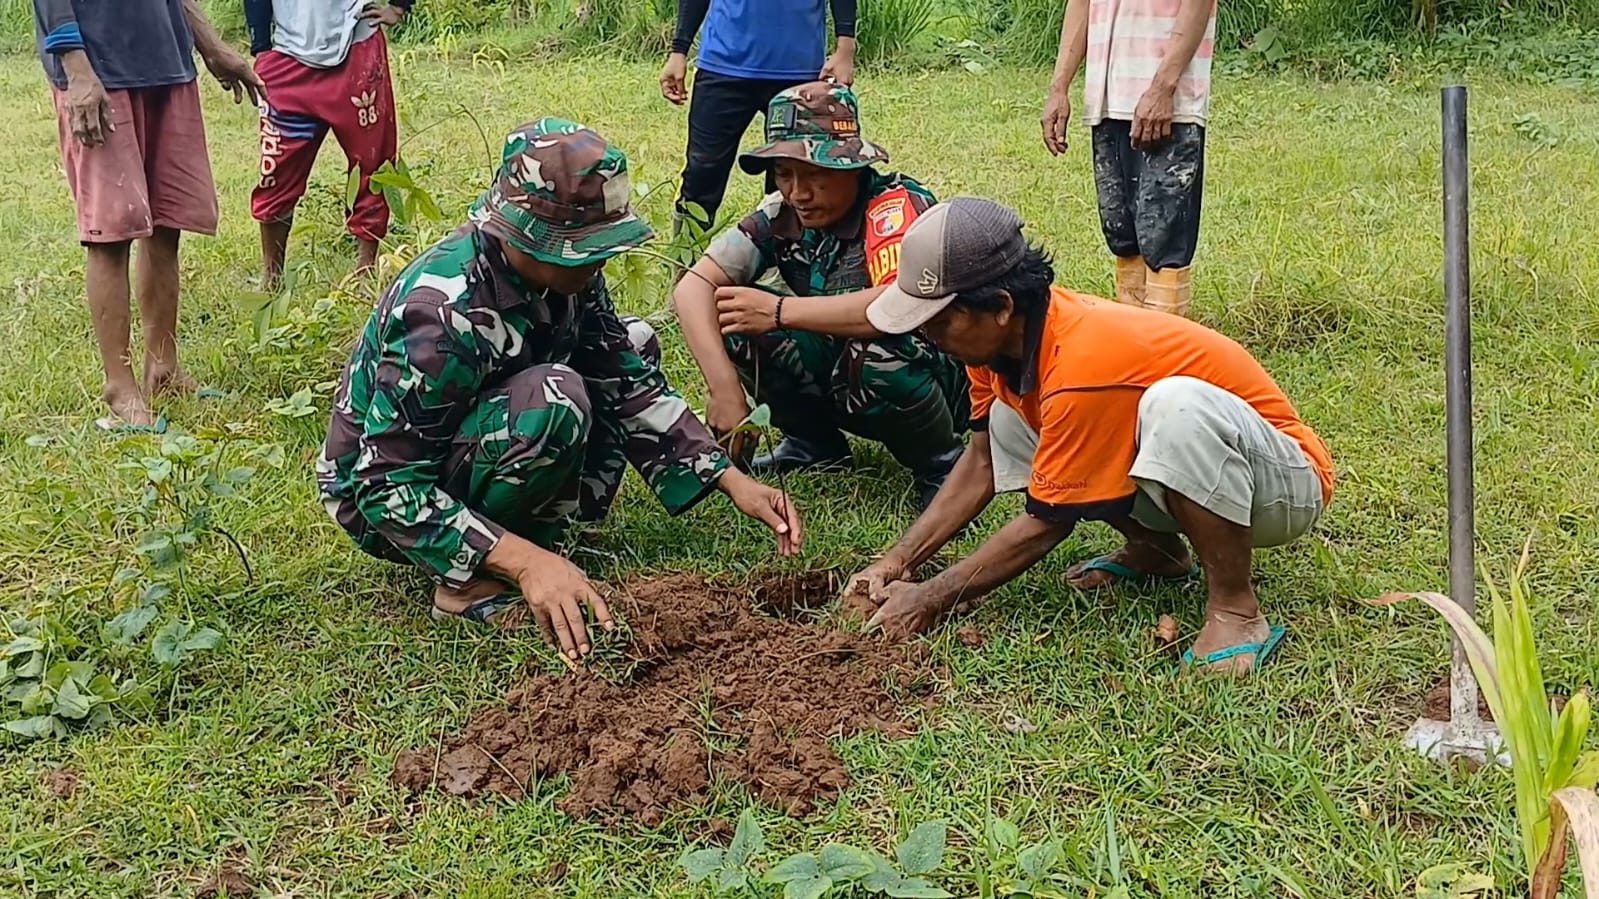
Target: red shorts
[355,101]
[152,171]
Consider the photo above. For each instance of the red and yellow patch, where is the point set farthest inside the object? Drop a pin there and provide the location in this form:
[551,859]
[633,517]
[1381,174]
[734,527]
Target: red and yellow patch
[887,217]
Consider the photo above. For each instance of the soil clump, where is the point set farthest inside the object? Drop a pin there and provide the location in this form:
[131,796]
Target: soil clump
[744,686]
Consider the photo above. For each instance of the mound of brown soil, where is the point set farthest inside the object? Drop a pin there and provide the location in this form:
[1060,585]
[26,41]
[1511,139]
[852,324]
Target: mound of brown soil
[745,686]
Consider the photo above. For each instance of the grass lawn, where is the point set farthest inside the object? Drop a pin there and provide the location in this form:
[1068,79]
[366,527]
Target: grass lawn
[1321,251]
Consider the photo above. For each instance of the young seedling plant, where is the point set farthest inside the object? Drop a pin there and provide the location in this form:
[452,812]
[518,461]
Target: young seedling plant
[836,869]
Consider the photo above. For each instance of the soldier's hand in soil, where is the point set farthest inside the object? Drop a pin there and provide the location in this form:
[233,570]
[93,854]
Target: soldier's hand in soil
[383,16]
[873,580]
[672,77]
[1152,118]
[556,592]
[1057,114]
[746,310]
[767,505]
[906,611]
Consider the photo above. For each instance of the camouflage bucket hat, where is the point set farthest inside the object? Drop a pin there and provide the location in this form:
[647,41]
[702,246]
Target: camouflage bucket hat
[562,196]
[818,123]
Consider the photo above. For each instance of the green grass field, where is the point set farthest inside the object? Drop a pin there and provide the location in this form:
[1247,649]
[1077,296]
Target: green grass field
[1321,251]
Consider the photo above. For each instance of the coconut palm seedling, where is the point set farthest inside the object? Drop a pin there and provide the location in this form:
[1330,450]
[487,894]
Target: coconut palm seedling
[1554,779]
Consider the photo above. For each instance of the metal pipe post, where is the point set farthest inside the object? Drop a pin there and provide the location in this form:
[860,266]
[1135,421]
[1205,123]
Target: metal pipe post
[1457,402]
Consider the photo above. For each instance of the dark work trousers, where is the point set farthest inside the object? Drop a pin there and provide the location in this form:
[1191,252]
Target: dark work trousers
[720,108]
[1149,201]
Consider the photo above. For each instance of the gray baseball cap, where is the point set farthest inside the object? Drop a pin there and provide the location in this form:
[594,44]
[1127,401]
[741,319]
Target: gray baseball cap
[956,245]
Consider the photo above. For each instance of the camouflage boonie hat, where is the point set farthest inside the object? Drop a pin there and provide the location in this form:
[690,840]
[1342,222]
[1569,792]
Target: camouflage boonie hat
[818,123]
[562,196]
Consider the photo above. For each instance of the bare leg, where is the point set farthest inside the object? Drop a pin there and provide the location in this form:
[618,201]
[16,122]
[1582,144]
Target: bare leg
[1225,549]
[274,247]
[106,276]
[158,310]
[1146,550]
[366,257]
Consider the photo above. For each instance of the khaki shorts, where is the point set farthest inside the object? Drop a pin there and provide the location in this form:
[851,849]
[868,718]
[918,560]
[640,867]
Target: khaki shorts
[1202,442]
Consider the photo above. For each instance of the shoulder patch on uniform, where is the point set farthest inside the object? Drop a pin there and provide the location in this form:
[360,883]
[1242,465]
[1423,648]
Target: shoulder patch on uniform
[889,212]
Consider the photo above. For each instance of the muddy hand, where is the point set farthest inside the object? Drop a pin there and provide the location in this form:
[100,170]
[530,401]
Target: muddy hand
[905,611]
[872,582]
[556,593]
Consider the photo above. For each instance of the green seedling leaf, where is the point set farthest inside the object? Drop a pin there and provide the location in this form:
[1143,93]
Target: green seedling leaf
[761,416]
[917,888]
[883,876]
[732,879]
[1002,835]
[795,867]
[157,470]
[205,639]
[352,186]
[923,849]
[101,686]
[59,673]
[154,594]
[33,666]
[701,863]
[168,648]
[1586,772]
[1451,882]
[748,841]
[808,888]
[1039,859]
[37,727]
[72,703]
[21,645]
[35,699]
[846,863]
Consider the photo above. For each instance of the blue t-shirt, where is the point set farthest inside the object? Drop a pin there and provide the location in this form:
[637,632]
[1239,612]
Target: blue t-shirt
[777,39]
[130,43]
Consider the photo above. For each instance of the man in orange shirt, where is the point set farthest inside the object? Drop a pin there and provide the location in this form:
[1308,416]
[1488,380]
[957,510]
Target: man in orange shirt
[1151,423]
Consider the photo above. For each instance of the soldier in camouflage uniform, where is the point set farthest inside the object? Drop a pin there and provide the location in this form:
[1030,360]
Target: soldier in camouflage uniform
[832,231]
[495,396]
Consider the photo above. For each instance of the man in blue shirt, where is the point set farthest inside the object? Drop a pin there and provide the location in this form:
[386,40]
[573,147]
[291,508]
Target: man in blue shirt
[750,50]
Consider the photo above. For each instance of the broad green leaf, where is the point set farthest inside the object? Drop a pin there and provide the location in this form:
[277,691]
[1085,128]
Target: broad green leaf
[36,699]
[883,875]
[101,686]
[216,486]
[154,542]
[21,645]
[841,862]
[808,888]
[923,849]
[748,841]
[1039,859]
[72,703]
[100,715]
[1586,772]
[82,669]
[732,879]
[157,470]
[795,867]
[239,475]
[154,594]
[36,727]
[701,863]
[125,628]
[1002,835]
[205,638]
[352,186]
[1523,717]
[132,694]
[761,416]
[167,647]
[917,888]
[32,666]
[1570,733]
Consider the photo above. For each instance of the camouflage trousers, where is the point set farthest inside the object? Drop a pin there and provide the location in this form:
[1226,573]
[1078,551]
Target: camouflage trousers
[899,390]
[534,455]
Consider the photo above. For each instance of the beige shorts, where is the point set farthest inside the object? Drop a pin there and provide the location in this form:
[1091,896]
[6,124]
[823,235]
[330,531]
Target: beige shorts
[1202,442]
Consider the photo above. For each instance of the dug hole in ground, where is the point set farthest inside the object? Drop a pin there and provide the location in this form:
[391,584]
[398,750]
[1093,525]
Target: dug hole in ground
[743,685]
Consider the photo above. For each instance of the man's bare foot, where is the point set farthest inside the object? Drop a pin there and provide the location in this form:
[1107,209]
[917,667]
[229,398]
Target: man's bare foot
[127,405]
[1146,558]
[1223,630]
[449,599]
[169,381]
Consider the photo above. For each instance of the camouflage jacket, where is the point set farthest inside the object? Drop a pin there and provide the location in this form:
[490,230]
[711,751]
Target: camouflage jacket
[859,252]
[457,321]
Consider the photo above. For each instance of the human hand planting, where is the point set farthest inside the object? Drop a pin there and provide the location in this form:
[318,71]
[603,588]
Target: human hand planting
[555,590]
[767,505]
[907,610]
[873,581]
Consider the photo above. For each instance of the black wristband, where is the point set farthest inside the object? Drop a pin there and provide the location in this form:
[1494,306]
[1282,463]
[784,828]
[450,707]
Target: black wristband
[777,318]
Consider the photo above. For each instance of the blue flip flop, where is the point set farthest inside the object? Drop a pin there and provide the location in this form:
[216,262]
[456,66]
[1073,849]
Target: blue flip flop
[1262,651]
[1133,576]
[481,611]
[114,426]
